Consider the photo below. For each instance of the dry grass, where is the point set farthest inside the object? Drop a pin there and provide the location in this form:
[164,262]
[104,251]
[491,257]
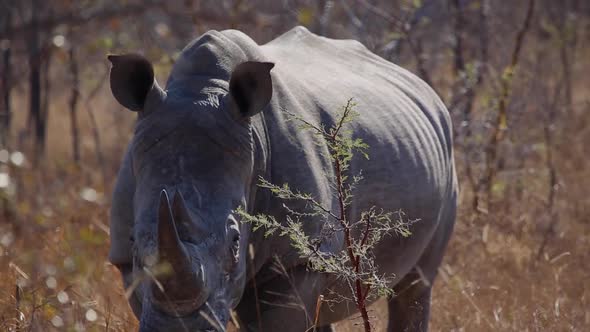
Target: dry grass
[55,241]
[54,233]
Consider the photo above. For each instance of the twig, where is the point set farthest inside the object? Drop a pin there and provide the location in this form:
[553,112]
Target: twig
[317,312]
[256,299]
[17,297]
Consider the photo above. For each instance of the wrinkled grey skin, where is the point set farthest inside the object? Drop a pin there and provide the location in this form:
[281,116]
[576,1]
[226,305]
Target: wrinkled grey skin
[219,124]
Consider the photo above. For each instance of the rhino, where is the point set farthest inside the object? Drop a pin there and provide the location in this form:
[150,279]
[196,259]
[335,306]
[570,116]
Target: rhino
[200,146]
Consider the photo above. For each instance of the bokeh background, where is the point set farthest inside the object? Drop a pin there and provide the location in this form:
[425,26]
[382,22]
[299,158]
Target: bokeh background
[515,76]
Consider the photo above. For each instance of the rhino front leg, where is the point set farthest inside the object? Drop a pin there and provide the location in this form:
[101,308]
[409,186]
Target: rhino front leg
[285,321]
[287,303]
[409,308]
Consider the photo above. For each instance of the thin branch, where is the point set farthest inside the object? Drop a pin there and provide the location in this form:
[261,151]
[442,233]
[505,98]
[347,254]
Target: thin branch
[465,87]
[343,118]
[501,118]
[80,17]
[317,311]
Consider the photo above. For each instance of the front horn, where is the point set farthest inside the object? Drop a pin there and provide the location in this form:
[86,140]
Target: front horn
[181,280]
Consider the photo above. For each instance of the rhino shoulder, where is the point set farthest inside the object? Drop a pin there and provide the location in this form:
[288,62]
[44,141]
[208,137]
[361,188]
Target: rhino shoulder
[302,37]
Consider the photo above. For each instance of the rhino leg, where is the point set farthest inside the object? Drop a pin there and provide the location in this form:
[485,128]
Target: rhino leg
[287,303]
[409,308]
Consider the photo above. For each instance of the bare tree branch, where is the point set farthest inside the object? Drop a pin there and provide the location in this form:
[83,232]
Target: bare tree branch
[80,17]
[501,118]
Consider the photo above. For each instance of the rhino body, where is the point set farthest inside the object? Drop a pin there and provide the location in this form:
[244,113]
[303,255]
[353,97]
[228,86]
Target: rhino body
[189,143]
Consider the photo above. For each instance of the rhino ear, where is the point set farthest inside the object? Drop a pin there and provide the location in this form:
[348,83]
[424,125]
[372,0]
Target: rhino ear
[250,88]
[132,80]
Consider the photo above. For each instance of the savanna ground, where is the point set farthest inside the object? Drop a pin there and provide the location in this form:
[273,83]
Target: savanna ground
[517,89]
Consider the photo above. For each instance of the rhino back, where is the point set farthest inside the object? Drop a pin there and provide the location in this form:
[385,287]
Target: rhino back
[401,118]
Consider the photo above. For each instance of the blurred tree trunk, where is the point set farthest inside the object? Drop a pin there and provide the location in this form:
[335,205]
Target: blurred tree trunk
[39,81]
[466,85]
[6,82]
[74,103]
[324,9]
[94,125]
[46,54]
[501,122]
[35,118]
[567,46]
[458,28]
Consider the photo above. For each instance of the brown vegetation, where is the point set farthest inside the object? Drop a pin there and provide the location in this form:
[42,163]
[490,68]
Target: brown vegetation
[517,91]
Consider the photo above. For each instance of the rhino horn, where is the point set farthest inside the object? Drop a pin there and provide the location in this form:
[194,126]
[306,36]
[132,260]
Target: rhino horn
[182,280]
[179,209]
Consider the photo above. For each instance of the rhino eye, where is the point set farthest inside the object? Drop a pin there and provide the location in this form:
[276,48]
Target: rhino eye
[236,242]
[235,246]
[233,237]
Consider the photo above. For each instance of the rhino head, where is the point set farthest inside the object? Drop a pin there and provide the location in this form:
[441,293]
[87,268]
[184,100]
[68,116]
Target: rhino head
[192,159]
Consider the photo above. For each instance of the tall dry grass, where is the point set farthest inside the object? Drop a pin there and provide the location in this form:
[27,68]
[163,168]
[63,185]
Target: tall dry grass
[54,237]
[519,263]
